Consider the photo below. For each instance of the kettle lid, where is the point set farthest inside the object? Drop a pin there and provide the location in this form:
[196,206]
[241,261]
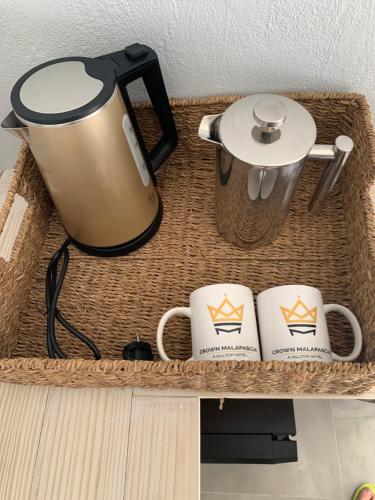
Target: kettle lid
[62,90]
[267,130]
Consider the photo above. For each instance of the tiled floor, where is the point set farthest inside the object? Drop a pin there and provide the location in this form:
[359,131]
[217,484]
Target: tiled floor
[336,452]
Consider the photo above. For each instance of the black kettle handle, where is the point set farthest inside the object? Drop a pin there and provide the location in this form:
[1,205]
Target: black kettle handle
[140,61]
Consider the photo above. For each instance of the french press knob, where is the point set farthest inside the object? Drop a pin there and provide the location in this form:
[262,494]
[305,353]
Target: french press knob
[269,114]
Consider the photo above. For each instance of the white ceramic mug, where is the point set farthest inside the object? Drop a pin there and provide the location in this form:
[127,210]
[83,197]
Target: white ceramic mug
[223,324]
[293,326]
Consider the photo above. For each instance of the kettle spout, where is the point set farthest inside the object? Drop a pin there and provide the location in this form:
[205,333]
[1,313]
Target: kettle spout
[14,126]
[208,129]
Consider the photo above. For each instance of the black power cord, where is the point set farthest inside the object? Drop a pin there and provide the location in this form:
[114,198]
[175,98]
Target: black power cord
[54,282]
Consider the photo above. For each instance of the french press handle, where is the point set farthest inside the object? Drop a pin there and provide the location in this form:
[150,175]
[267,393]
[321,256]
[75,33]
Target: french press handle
[337,156]
[140,61]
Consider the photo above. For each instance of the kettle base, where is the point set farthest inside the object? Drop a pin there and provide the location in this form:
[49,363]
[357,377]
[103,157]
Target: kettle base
[129,246]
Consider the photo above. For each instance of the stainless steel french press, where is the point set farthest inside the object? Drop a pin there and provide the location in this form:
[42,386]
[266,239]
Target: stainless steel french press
[262,142]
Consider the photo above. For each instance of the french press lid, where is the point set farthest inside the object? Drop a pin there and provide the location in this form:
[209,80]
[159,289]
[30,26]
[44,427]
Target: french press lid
[267,130]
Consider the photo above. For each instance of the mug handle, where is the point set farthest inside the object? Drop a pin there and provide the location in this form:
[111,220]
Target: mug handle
[355,328]
[176,311]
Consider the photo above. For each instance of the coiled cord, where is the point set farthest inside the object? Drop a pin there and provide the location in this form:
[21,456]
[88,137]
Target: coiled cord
[54,282]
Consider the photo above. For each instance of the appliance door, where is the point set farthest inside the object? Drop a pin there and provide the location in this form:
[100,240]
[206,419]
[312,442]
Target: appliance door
[248,431]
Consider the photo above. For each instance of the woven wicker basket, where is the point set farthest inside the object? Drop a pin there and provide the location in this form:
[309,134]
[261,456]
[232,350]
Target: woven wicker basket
[113,299]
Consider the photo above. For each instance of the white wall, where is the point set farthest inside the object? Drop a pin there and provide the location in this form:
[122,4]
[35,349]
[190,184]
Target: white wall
[205,46]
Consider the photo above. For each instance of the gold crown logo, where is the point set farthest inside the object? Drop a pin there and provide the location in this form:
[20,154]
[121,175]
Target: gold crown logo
[226,312]
[299,313]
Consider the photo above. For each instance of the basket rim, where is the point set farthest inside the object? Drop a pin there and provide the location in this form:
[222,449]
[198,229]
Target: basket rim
[359,99]
[18,169]
[177,102]
[176,366]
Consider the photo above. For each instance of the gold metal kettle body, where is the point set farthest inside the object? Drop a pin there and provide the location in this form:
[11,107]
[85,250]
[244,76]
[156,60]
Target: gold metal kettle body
[103,195]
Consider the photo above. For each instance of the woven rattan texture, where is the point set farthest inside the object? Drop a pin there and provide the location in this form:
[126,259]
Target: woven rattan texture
[112,300]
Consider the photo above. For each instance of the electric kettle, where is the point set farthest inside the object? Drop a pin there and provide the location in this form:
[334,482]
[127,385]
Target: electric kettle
[77,117]
[262,142]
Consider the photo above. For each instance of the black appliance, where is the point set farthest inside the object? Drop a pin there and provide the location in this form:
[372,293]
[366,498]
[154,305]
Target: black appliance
[248,431]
